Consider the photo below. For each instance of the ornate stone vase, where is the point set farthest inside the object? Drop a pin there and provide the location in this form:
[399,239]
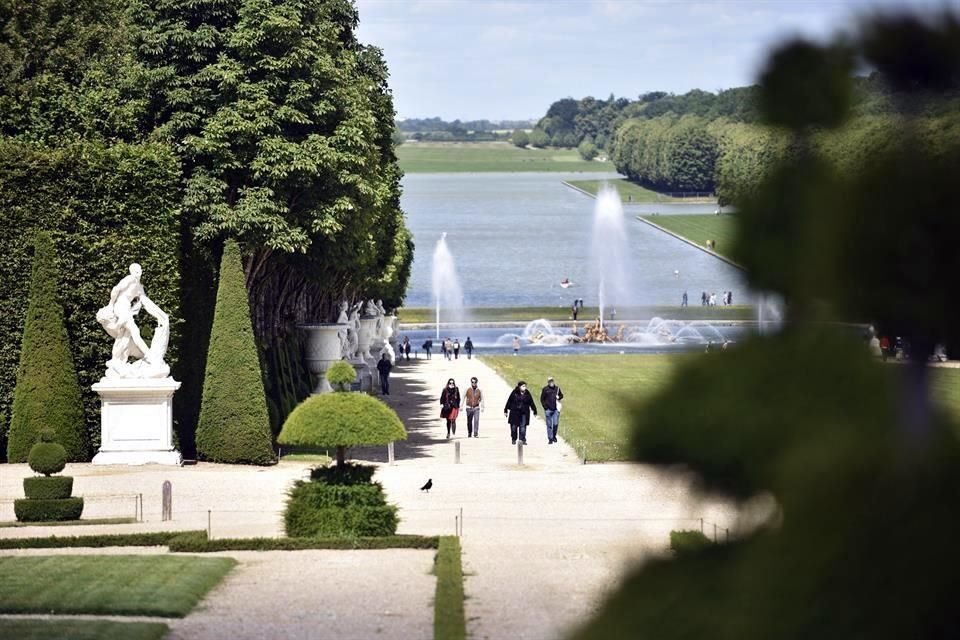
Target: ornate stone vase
[368,326]
[323,348]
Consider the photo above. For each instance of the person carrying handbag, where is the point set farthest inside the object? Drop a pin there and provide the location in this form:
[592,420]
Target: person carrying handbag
[450,406]
[550,398]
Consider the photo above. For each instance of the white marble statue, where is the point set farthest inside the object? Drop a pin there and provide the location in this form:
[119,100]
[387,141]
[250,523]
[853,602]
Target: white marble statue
[371,310]
[353,332]
[343,319]
[117,318]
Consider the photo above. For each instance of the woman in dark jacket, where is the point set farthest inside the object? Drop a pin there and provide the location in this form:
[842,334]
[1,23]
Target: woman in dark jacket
[517,411]
[450,403]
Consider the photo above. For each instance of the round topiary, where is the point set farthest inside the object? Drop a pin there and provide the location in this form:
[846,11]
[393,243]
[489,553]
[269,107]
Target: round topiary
[341,374]
[342,420]
[47,458]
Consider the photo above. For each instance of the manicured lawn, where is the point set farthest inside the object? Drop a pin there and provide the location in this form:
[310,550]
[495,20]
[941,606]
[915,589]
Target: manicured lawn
[453,157]
[166,586]
[449,621]
[630,192]
[598,389]
[422,315]
[80,630]
[946,390]
[700,228]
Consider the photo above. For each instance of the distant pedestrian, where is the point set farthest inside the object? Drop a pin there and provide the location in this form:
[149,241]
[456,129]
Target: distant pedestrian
[713,299]
[574,310]
[468,347]
[427,346]
[703,298]
[683,301]
[447,348]
[384,367]
[729,297]
[550,398]
[450,406]
[517,411]
[406,347]
[516,345]
[456,349]
[474,401]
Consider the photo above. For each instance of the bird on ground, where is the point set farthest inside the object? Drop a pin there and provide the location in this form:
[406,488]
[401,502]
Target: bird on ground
[427,486]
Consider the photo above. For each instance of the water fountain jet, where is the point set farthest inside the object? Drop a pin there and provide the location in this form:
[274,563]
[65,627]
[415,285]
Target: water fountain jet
[446,285]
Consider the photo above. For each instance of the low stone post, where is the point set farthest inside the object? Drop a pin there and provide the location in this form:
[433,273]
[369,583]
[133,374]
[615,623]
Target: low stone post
[167,508]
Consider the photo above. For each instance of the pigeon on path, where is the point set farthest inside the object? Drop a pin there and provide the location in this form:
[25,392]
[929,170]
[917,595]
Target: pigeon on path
[427,486]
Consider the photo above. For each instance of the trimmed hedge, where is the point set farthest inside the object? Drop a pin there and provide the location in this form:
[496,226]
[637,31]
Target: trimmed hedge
[28,510]
[47,392]
[320,509]
[48,487]
[47,458]
[347,474]
[342,419]
[234,423]
[341,375]
[689,540]
[153,539]
[200,543]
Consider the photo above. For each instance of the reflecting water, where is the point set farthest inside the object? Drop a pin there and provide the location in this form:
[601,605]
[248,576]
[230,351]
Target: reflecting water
[515,237]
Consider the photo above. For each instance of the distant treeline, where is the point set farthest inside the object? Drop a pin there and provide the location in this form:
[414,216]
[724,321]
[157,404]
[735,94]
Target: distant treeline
[437,129]
[711,142]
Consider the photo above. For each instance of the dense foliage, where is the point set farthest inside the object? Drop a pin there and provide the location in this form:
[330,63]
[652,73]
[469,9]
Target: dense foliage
[341,375]
[853,460]
[48,487]
[47,458]
[28,510]
[234,425]
[47,394]
[320,509]
[261,120]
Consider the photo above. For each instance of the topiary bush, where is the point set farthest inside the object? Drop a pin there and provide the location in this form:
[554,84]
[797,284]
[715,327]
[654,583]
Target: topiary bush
[234,422]
[48,487]
[48,510]
[687,541]
[347,474]
[342,420]
[321,509]
[341,375]
[47,392]
[47,458]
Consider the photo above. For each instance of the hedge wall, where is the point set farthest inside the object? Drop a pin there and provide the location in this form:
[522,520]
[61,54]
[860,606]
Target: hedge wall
[104,208]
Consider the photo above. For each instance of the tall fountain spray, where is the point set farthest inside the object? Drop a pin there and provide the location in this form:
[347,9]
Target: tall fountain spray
[447,293]
[609,250]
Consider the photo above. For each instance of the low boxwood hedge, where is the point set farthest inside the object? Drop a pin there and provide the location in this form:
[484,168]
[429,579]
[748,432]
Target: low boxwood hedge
[348,474]
[153,539]
[48,487]
[687,541]
[200,543]
[320,509]
[28,510]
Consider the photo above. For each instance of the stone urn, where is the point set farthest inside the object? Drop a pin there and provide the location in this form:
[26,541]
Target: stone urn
[390,330]
[323,348]
[368,326]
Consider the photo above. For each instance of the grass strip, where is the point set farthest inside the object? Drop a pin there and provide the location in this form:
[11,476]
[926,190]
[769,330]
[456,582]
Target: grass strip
[600,392]
[69,523]
[153,539]
[198,543]
[158,585]
[700,228]
[945,388]
[449,619]
[481,157]
[732,313]
[28,629]
[630,192]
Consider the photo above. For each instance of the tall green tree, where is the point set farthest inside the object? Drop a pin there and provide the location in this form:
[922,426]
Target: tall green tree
[234,426]
[47,392]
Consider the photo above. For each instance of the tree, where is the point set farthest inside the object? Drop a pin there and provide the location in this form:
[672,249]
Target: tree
[520,138]
[234,426]
[342,419]
[47,392]
[539,138]
[587,150]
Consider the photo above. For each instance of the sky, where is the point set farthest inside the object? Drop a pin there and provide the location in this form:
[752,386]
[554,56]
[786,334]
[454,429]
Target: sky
[510,59]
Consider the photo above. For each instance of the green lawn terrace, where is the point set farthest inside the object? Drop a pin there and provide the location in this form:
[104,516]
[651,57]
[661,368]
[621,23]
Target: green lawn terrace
[461,157]
[633,193]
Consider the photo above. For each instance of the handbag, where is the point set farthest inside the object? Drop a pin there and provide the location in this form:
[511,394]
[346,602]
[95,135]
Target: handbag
[559,405]
[445,412]
[454,412]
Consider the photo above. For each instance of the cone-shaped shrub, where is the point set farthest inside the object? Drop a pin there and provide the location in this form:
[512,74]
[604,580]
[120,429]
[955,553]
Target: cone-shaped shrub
[342,420]
[47,393]
[234,425]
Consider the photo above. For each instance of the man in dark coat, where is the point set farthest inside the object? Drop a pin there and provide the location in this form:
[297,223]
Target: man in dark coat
[468,347]
[517,411]
[384,367]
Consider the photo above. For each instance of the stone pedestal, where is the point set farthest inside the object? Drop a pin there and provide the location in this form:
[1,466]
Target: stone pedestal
[323,348]
[136,421]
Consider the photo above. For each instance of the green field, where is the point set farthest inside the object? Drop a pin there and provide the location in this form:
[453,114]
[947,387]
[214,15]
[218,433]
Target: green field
[945,384]
[422,315]
[700,228]
[453,157]
[599,390]
[31,629]
[630,192]
[165,586]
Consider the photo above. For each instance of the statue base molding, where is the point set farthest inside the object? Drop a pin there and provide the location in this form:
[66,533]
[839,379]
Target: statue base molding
[136,421]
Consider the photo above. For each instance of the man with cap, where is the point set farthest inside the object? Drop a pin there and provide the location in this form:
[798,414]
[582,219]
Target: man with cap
[550,398]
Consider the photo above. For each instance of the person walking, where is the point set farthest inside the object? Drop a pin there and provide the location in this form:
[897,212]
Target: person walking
[406,347]
[683,301]
[550,398]
[517,411]
[474,401]
[450,406]
[427,346]
[516,345]
[574,310]
[456,349]
[384,367]
[468,347]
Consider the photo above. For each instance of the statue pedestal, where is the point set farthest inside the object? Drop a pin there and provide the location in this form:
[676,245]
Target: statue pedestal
[136,421]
